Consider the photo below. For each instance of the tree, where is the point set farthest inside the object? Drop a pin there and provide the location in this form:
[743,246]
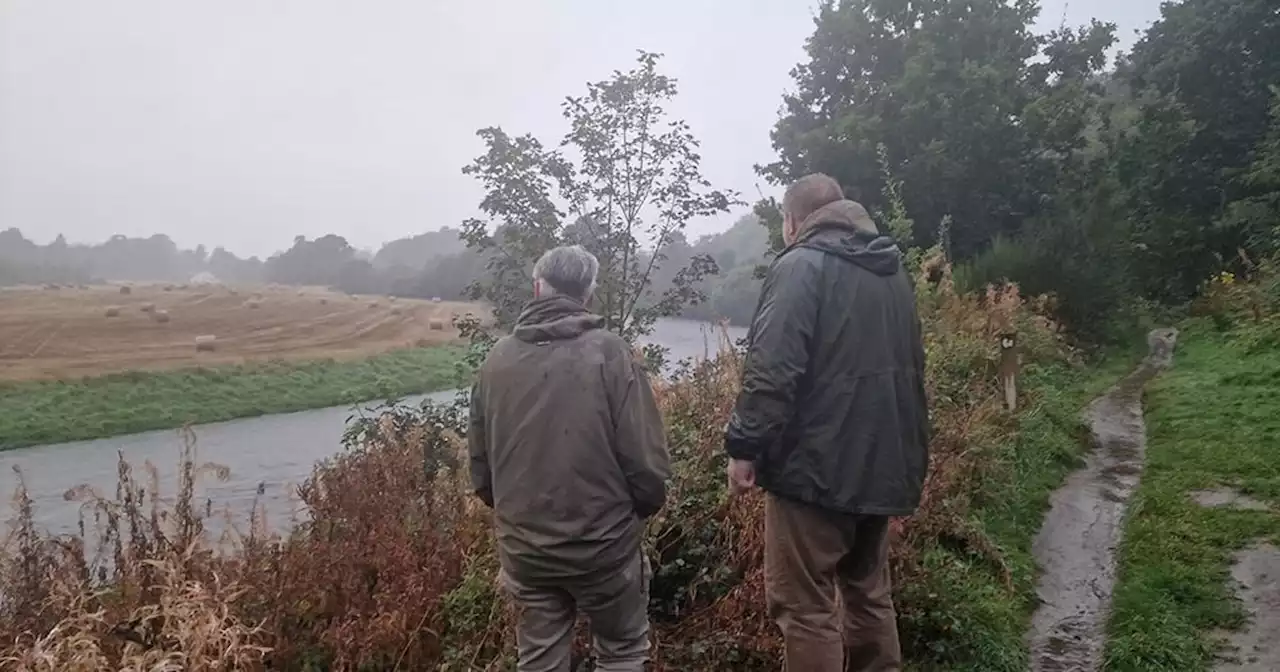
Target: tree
[1257,215]
[416,252]
[318,262]
[950,95]
[1201,76]
[628,178]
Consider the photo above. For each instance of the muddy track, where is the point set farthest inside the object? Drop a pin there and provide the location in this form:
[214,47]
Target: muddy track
[1076,546]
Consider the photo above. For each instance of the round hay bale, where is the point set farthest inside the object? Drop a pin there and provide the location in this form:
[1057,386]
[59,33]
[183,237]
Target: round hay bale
[168,288]
[373,304]
[126,290]
[436,325]
[113,311]
[391,300]
[435,299]
[206,343]
[147,307]
[395,310]
[161,316]
[253,304]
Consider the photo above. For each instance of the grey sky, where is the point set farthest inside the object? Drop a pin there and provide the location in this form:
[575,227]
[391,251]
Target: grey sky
[243,123]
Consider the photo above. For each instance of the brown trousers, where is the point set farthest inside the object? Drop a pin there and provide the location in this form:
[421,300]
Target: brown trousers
[828,588]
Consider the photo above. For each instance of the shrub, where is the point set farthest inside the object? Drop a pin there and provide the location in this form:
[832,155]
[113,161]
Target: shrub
[395,568]
[1091,294]
[1248,304]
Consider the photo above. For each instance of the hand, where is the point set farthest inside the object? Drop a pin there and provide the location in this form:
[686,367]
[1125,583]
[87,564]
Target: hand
[742,476]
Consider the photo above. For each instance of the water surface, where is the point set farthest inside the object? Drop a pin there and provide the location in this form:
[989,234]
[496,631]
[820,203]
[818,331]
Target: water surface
[271,452]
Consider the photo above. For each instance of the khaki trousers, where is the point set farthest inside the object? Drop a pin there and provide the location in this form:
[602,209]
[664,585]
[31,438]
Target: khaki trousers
[616,607]
[828,588]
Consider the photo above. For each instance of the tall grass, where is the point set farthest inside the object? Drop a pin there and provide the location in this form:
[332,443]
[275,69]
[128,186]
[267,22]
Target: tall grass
[395,568]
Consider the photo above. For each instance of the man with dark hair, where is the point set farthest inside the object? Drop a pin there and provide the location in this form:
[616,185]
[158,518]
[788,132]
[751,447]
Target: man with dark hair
[568,447]
[832,423]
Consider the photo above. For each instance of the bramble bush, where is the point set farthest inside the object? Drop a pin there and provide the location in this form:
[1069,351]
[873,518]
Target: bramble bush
[1247,304]
[393,567]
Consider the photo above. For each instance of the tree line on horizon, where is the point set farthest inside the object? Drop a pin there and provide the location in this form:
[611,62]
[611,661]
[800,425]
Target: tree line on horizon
[1117,186]
[428,265]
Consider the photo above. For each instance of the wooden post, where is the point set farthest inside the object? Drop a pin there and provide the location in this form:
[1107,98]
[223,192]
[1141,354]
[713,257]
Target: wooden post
[1009,369]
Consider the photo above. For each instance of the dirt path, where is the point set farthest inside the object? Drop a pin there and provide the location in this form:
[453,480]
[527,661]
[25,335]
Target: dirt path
[1257,647]
[1255,573]
[1077,543]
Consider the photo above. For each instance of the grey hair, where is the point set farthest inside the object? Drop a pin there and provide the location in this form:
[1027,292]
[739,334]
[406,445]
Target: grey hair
[807,194]
[570,270]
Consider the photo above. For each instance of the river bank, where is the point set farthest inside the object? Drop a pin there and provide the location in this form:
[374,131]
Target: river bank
[45,412]
[394,567]
[264,457]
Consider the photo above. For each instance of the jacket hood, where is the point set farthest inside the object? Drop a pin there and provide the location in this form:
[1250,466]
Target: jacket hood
[554,318]
[845,230]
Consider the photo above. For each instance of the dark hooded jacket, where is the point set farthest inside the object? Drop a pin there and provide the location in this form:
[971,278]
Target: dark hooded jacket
[566,444]
[833,408]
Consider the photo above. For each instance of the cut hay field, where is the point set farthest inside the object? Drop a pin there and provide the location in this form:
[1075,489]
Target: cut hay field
[65,334]
[69,371]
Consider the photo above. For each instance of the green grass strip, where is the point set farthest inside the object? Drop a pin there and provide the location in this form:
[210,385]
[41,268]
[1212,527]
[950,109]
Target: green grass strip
[33,413]
[1212,421]
[975,620]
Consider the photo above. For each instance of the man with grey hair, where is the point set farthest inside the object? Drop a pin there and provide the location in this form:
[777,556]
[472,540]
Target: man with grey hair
[567,446]
[832,423]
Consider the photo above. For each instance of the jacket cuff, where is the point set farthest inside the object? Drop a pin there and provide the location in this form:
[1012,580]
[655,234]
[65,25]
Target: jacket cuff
[742,449]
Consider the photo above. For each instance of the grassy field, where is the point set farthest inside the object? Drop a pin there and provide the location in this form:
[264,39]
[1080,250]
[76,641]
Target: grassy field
[38,412]
[90,362]
[67,334]
[982,598]
[1212,421]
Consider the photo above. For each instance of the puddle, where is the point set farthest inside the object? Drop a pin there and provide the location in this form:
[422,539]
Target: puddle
[1076,546]
[1256,648]
[1226,498]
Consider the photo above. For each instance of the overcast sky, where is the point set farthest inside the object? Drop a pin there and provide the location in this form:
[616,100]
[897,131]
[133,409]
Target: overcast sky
[243,123]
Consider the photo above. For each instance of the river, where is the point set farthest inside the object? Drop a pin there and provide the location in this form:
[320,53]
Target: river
[272,452]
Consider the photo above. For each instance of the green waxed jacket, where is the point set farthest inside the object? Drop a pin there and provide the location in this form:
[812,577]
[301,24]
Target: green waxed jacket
[566,444]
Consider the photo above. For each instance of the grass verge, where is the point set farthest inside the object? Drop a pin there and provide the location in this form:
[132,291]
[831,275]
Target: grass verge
[980,583]
[1212,421]
[33,413]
